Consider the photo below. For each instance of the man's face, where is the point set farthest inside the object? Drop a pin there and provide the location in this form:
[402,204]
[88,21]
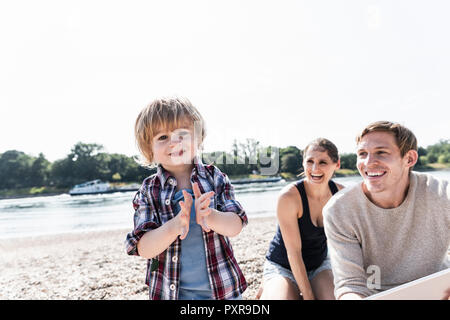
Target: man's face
[380,164]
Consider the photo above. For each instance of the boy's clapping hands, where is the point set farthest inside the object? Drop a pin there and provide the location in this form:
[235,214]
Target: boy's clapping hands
[185,214]
[202,209]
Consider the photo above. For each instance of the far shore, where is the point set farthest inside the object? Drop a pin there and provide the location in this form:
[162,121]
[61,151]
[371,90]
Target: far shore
[23,193]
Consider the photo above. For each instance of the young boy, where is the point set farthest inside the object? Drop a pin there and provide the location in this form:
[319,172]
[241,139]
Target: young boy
[185,212]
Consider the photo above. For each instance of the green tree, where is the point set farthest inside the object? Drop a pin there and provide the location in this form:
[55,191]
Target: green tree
[422,160]
[291,149]
[127,167]
[444,158]
[435,151]
[40,171]
[15,169]
[117,165]
[422,151]
[432,157]
[248,150]
[348,161]
[116,177]
[62,173]
[290,162]
[89,163]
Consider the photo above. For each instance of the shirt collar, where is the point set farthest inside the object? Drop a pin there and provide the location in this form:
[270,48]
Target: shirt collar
[164,175]
[199,167]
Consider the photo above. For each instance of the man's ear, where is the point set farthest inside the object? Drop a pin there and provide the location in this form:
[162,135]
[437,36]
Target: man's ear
[411,158]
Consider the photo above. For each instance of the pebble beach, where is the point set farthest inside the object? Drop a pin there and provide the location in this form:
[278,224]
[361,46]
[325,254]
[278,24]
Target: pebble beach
[95,266]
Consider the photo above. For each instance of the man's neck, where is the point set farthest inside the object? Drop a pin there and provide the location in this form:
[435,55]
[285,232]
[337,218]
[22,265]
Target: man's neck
[389,199]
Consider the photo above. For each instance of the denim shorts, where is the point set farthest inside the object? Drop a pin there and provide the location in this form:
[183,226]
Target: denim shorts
[273,269]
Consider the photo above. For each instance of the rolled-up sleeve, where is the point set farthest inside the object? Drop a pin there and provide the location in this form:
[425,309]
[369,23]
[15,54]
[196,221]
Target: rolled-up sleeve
[226,201]
[145,219]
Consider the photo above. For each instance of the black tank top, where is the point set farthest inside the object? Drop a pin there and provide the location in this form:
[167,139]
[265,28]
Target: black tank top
[314,241]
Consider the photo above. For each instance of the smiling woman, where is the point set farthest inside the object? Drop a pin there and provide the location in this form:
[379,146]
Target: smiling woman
[297,264]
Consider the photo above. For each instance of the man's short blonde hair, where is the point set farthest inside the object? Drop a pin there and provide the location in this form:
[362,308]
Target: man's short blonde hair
[405,139]
[165,114]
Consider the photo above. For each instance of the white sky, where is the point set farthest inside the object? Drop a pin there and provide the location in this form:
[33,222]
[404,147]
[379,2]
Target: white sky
[281,72]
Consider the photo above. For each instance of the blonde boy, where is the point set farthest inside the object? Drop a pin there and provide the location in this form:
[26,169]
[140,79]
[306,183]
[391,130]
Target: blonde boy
[185,212]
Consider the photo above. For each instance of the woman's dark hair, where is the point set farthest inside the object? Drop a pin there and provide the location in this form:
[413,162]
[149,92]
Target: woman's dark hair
[323,145]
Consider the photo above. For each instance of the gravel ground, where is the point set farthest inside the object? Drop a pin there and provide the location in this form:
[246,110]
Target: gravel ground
[95,266]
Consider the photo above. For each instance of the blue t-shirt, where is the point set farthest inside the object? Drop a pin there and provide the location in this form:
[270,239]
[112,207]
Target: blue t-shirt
[194,279]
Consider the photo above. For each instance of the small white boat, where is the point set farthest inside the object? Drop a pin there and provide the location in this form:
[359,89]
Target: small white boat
[91,187]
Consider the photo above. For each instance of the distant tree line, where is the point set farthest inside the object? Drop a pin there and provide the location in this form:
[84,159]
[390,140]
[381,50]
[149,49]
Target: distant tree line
[439,152]
[89,161]
[85,162]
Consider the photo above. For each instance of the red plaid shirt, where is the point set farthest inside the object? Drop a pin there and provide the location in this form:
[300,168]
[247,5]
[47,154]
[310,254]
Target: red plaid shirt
[153,208]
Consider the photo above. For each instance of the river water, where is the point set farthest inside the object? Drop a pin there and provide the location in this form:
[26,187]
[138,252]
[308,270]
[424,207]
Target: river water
[64,213]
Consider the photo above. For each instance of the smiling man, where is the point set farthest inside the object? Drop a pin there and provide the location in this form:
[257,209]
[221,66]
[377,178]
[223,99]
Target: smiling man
[394,226]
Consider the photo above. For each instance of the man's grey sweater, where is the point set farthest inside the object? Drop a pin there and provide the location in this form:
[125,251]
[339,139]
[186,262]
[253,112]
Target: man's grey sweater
[403,244]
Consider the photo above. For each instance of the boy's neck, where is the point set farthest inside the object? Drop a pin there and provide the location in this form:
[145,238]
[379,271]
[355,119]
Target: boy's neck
[182,173]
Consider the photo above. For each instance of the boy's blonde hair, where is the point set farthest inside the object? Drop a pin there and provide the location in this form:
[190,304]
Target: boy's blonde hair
[405,139]
[164,114]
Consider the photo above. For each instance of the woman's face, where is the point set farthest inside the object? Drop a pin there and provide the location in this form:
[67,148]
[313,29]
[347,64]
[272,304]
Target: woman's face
[319,167]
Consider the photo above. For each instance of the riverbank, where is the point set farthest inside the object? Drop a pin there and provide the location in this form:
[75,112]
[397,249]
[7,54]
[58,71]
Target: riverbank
[94,265]
[31,192]
[52,191]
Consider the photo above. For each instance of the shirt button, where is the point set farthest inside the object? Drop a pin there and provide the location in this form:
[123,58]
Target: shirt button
[174,259]
[167,202]
[171,181]
[172,287]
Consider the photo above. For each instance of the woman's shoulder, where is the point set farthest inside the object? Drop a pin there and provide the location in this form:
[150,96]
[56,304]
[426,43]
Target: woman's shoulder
[289,190]
[289,197]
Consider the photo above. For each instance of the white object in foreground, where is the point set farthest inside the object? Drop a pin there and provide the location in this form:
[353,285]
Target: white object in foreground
[432,287]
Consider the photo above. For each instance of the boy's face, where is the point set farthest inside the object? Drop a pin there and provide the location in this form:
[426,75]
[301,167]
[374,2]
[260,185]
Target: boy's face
[175,146]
